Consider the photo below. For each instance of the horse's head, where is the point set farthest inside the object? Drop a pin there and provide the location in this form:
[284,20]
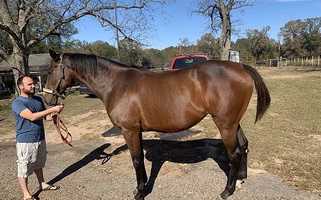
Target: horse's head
[58,80]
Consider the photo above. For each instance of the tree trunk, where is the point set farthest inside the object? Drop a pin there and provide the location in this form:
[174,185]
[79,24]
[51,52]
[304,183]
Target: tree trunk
[19,64]
[225,38]
[225,45]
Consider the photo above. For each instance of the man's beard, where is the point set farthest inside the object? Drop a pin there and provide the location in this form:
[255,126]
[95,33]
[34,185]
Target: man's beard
[30,92]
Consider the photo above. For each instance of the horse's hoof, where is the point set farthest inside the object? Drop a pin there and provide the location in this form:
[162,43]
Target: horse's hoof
[139,196]
[225,194]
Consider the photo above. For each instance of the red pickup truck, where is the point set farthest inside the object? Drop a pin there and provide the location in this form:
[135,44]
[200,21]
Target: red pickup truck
[184,61]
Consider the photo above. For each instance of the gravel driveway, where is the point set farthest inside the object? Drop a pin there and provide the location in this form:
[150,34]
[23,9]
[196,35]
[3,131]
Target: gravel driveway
[190,170]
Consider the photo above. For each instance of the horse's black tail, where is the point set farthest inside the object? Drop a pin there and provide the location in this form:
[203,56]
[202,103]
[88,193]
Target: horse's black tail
[263,95]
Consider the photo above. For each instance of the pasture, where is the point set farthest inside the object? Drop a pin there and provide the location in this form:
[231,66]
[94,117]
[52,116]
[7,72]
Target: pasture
[286,142]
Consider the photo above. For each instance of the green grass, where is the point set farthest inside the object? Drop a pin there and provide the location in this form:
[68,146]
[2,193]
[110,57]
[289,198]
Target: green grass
[283,141]
[6,116]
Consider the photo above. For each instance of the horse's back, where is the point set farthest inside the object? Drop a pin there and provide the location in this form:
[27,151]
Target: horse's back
[182,98]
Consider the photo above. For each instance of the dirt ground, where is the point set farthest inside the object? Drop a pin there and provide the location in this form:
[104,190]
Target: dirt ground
[99,167]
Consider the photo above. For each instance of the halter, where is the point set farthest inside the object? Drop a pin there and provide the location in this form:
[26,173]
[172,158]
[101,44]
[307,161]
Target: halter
[62,77]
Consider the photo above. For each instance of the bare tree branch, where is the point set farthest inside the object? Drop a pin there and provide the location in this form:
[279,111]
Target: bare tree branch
[219,13]
[28,22]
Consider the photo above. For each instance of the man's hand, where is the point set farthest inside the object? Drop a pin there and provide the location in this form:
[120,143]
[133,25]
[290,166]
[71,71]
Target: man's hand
[50,116]
[57,108]
[54,111]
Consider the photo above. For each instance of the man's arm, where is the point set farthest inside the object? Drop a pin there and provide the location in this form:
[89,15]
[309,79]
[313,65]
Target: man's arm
[26,113]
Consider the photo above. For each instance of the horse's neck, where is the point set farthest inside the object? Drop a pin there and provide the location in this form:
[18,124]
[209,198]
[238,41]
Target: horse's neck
[101,84]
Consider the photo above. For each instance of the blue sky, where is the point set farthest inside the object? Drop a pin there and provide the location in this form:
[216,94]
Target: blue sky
[181,24]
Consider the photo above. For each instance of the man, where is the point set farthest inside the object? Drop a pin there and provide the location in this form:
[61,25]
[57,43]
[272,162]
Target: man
[29,110]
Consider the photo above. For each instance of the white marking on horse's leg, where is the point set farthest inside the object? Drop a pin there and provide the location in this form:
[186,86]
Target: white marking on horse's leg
[239,183]
[219,198]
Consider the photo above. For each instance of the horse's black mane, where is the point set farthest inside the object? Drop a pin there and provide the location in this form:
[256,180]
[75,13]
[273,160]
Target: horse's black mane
[85,63]
[82,63]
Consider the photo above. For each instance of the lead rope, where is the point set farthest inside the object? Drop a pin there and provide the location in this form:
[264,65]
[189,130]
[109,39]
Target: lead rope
[60,125]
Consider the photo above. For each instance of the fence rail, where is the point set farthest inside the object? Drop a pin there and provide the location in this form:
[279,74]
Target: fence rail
[301,61]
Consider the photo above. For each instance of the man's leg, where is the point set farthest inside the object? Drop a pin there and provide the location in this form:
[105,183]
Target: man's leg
[41,180]
[25,167]
[40,163]
[24,186]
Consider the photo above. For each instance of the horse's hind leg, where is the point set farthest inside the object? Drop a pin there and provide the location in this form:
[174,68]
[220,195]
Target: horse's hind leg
[230,140]
[135,146]
[236,145]
[243,144]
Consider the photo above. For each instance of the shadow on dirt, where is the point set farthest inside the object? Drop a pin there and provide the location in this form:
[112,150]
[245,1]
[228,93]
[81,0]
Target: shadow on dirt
[158,152]
[97,154]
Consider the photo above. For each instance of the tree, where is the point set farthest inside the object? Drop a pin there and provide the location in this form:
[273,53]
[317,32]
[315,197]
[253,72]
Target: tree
[311,35]
[183,45]
[18,19]
[260,43]
[301,38]
[219,12]
[131,53]
[101,48]
[244,46]
[208,45]
[292,38]
[156,57]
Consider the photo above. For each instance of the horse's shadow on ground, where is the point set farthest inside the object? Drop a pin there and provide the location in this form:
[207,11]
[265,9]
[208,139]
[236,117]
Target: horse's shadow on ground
[194,151]
[158,152]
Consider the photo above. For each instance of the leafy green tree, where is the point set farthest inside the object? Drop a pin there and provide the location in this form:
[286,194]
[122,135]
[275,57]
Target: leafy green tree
[311,35]
[209,45]
[169,53]
[131,52]
[244,46]
[75,46]
[260,45]
[155,57]
[292,38]
[301,38]
[101,48]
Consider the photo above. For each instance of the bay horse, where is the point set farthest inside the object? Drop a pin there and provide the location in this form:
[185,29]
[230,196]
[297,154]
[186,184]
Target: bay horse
[138,100]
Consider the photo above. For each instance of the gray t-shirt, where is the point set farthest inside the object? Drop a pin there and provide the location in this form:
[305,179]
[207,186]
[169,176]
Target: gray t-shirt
[26,130]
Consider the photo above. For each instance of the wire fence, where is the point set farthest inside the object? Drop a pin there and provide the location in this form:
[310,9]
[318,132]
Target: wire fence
[300,61]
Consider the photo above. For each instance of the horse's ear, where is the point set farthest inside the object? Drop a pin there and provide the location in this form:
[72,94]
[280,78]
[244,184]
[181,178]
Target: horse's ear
[54,55]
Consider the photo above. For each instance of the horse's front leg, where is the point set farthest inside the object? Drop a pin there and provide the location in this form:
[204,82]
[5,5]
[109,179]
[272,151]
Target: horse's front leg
[135,146]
